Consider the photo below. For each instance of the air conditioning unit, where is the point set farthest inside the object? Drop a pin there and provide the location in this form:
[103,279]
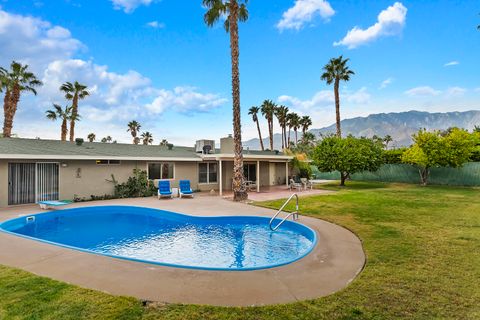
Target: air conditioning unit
[205,146]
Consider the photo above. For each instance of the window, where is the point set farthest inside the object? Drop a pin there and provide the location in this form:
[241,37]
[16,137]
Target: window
[208,172]
[161,170]
[250,172]
[108,162]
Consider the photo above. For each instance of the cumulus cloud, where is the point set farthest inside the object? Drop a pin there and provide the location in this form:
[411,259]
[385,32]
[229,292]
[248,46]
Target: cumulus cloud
[128,6]
[385,83]
[451,63]
[453,92]
[391,21]
[422,91]
[156,25]
[325,98]
[303,12]
[34,41]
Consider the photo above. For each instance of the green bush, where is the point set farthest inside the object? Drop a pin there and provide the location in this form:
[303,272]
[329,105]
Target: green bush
[394,156]
[136,186]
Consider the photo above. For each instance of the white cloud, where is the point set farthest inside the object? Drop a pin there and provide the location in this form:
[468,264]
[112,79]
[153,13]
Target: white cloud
[156,25]
[34,41]
[390,22]
[358,97]
[303,12]
[453,92]
[422,91]
[385,83]
[451,63]
[128,6]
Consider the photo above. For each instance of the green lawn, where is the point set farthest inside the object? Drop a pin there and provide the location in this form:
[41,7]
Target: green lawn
[423,248]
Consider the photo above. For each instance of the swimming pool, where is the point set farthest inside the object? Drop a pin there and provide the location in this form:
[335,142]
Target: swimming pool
[235,243]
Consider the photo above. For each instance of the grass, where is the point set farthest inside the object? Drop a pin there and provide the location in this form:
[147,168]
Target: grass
[422,244]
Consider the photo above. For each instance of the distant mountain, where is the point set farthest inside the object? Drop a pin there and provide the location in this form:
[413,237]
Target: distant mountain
[400,126]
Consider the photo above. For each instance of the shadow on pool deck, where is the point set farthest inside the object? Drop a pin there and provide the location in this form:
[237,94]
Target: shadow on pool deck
[332,265]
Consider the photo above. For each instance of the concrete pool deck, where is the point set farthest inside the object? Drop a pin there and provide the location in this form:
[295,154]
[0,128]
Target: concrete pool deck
[335,261]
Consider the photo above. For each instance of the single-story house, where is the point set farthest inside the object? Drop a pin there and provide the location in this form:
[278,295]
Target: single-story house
[33,170]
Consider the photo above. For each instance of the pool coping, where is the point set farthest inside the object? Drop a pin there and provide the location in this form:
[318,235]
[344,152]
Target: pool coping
[335,260]
[164,264]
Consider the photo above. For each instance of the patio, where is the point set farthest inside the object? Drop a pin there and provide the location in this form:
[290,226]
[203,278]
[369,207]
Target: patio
[277,192]
[335,261]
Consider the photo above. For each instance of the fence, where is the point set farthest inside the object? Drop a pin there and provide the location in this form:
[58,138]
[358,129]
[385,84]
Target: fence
[468,175]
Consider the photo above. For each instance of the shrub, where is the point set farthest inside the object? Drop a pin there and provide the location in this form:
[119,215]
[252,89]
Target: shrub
[136,186]
[394,156]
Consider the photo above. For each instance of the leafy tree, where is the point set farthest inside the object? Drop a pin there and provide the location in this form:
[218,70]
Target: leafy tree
[147,138]
[281,112]
[233,11]
[394,156]
[387,139]
[91,137]
[253,111]
[432,149]
[268,109]
[74,92]
[14,82]
[134,128]
[306,144]
[347,155]
[63,114]
[335,71]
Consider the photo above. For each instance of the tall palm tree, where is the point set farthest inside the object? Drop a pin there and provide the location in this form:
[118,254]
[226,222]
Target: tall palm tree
[91,137]
[134,128]
[336,70]
[305,123]
[234,11]
[74,92]
[281,112]
[253,111]
[15,81]
[147,138]
[63,114]
[107,139]
[387,139]
[268,109]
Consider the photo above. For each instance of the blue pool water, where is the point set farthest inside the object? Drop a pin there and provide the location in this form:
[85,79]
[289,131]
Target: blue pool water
[167,238]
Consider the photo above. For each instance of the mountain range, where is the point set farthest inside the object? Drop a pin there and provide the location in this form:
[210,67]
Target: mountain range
[400,126]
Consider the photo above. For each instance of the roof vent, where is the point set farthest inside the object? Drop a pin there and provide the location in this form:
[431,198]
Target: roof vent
[79,141]
[206,149]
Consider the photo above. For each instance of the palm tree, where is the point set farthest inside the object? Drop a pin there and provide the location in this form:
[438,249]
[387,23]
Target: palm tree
[63,114]
[164,142]
[74,92]
[253,111]
[281,112]
[134,128]
[305,123]
[234,11]
[147,138]
[91,137]
[107,139]
[268,109]
[14,82]
[387,139]
[335,71]
[294,123]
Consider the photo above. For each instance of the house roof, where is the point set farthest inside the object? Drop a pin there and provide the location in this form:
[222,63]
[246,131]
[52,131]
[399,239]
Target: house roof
[16,148]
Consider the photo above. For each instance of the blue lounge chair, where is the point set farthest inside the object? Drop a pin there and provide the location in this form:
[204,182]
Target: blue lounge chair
[164,190]
[185,189]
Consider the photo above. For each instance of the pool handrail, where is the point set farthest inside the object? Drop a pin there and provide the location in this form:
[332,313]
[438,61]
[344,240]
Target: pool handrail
[294,214]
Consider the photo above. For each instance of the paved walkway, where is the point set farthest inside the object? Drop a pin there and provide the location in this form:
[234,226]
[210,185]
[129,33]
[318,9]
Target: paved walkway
[335,261]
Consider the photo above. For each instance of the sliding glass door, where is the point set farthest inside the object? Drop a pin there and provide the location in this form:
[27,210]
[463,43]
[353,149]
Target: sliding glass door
[32,182]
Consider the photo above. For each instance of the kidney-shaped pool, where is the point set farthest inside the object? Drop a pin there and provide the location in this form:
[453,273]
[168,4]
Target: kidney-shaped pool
[166,238]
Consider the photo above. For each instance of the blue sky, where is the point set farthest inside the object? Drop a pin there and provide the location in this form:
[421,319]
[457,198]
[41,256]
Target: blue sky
[156,61]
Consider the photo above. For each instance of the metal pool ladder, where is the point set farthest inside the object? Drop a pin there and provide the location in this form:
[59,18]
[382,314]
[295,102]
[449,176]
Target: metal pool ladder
[294,214]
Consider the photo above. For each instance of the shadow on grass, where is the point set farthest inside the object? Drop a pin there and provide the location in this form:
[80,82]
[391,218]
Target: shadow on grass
[353,185]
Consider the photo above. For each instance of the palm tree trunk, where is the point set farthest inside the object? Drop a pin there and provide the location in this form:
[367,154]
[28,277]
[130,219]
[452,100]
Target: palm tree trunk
[260,135]
[289,131]
[283,141]
[337,107]
[74,116]
[296,137]
[239,191]
[11,109]
[64,130]
[270,131]
[7,119]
